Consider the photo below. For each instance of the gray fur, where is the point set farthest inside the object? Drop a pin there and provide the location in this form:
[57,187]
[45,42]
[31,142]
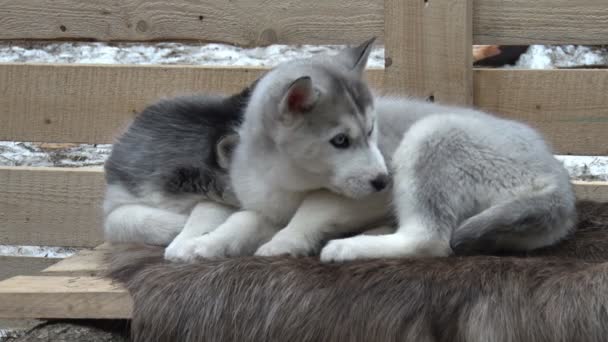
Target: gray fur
[465,182]
[489,182]
[556,294]
[174,155]
[309,126]
[171,146]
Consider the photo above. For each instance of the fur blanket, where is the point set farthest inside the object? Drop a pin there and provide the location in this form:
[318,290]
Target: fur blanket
[554,294]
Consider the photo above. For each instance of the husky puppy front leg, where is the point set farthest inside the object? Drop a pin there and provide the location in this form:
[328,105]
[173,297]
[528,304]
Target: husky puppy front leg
[324,215]
[241,234]
[204,218]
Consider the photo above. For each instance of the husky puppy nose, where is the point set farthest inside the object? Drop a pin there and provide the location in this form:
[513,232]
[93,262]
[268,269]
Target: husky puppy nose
[380,182]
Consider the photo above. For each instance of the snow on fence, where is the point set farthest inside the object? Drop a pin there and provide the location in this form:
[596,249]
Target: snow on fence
[427,54]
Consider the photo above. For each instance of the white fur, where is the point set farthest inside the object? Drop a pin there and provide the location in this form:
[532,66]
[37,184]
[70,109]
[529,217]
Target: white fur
[204,218]
[240,235]
[323,214]
[148,219]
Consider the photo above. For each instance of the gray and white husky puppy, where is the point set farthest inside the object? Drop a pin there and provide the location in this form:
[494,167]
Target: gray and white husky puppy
[172,158]
[310,125]
[465,182]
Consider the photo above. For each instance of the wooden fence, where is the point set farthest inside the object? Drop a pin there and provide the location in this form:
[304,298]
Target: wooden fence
[428,53]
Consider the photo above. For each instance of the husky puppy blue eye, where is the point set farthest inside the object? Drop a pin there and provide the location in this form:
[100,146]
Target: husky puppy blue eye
[340,141]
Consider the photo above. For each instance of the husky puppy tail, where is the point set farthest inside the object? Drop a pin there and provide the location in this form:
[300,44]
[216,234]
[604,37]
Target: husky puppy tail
[536,219]
[127,261]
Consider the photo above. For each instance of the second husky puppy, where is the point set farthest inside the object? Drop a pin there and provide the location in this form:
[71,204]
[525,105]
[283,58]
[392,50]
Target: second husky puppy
[169,170]
[465,181]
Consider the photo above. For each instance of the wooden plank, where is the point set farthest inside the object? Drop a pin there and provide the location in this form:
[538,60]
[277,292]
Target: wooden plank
[51,206]
[61,207]
[591,191]
[63,297]
[511,22]
[428,49]
[570,107]
[243,22]
[89,103]
[525,22]
[11,266]
[86,262]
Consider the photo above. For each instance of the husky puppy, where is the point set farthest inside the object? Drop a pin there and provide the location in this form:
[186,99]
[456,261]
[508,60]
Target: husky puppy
[464,181]
[171,163]
[309,125]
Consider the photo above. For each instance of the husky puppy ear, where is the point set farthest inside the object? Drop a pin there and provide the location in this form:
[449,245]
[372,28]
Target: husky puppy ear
[300,97]
[224,148]
[355,58]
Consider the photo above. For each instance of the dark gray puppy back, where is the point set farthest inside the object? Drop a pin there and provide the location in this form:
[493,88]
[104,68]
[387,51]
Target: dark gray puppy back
[171,146]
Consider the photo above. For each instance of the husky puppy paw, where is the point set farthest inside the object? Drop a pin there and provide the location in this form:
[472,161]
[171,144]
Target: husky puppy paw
[383,246]
[341,250]
[181,250]
[293,246]
[208,247]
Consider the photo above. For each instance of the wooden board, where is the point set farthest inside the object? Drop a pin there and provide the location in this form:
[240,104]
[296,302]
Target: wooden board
[85,263]
[242,22]
[11,266]
[592,191]
[62,207]
[428,49]
[524,22]
[68,103]
[63,297]
[570,107]
[89,104]
[258,22]
[51,206]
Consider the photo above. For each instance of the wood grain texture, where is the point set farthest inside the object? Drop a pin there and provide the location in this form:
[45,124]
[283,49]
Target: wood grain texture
[63,297]
[91,103]
[11,266]
[591,191]
[428,49]
[525,22]
[86,262]
[242,22]
[51,206]
[570,107]
[62,207]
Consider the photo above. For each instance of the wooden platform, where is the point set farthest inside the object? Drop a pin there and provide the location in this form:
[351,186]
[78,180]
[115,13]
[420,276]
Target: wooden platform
[70,288]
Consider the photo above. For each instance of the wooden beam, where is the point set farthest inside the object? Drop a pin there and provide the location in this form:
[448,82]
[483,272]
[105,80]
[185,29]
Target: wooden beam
[63,297]
[591,191]
[525,22]
[243,22]
[51,206]
[90,103]
[11,266]
[87,262]
[569,107]
[68,103]
[428,49]
[258,22]
[62,207]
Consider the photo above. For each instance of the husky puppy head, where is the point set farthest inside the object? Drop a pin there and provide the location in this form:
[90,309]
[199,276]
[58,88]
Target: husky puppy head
[318,115]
